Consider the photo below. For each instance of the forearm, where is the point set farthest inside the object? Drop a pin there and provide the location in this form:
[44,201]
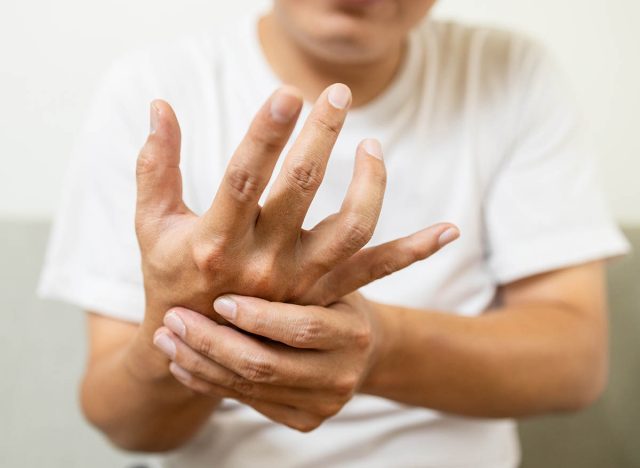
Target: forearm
[131,396]
[511,362]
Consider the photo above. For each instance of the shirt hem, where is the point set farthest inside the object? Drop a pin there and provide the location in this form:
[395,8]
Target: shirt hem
[92,293]
[558,251]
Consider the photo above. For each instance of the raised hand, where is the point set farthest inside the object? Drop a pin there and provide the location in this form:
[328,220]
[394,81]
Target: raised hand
[239,247]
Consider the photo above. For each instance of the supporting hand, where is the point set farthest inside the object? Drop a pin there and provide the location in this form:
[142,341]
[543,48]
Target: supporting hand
[313,361]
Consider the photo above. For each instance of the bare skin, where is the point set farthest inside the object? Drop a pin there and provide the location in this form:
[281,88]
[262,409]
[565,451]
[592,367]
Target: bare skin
[313,43]
[544,349]
[236,245]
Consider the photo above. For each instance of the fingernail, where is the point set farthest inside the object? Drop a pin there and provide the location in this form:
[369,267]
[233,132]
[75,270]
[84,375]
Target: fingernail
[284,105]
[373,147]
[448,236]
[180,372]
[339,96]
[154,118]
[165,344]
[226,307]
[174,323]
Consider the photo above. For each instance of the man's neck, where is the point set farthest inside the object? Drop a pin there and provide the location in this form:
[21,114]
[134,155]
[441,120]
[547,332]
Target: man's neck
[311,75]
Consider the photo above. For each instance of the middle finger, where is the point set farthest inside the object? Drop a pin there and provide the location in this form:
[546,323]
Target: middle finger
[235,206]
[304,167]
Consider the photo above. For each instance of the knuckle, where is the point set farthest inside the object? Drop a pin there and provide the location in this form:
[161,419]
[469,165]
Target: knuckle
[307,425]
[257,368]
[145,163]
[258,324]
[197,367]
[383,268]
[192,364]
[266,140]
[264,271]
[243,185]
[363,337]
[208,256]
[241,385]
[307,333]
[305,177]
[262,282]
[358,231]
[157,265]
[304,283]
[329,127]
[328,409]
[205,345]
[345,385]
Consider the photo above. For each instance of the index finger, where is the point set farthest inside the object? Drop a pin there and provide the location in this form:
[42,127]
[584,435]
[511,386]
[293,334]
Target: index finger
[304,327]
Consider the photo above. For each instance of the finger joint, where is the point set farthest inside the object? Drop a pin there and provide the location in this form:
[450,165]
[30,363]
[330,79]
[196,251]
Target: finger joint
[330,128]
[306,177]
[358,230]
[307,333]
[257,368]
[243,185]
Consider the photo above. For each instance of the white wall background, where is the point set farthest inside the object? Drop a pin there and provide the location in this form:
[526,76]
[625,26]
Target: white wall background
[53,52]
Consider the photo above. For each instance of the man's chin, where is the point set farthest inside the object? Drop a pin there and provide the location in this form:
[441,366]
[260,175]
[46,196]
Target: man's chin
[352,40]
[344,50]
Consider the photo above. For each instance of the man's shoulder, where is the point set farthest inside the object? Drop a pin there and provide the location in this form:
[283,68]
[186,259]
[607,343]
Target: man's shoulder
[489,51]
[478,38]
[169,58]
[183,70]
[483,64]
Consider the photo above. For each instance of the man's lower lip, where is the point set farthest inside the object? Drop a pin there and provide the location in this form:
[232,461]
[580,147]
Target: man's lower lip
[358,3]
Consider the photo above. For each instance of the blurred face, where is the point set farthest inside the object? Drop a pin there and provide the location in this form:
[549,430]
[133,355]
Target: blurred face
[349,31]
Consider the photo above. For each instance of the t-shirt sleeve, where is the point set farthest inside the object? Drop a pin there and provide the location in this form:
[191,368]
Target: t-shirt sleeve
[92,258]
[545,209]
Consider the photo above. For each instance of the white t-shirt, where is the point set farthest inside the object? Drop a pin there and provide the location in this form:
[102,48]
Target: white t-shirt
[477,130]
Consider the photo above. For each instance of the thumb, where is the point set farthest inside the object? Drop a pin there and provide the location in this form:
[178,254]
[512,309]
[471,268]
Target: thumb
[158,177]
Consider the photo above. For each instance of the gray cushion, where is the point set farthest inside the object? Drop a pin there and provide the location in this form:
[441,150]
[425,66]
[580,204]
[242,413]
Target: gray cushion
[606,435]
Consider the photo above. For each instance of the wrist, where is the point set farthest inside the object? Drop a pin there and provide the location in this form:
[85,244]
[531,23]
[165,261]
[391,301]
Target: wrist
[143,360]
[388,319]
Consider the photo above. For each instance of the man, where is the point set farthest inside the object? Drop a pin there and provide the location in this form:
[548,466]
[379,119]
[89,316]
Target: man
[426,366]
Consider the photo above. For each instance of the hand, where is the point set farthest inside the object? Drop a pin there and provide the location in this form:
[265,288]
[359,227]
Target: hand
[238,246]
[315,361]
